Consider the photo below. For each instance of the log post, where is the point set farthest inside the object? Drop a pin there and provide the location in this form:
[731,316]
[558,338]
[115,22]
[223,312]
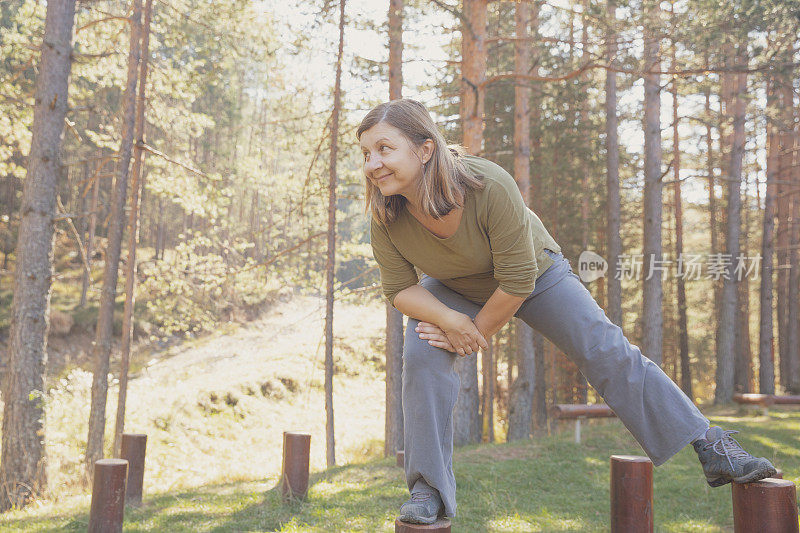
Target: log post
[631,494]
[133,450]
[108,496]
[294,473]
[766,505]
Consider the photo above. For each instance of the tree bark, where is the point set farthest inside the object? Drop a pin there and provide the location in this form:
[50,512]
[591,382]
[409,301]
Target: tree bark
[712,204]
[23,459]
[725,349]
[520,408]
[137,183]
[86,280]
[521,392]
[743,367]
[330,261]
[652,319]
[540,385]
[466,414]
[581,385]
[793,295]
[101,351]
[487,393]
[784,207]
[612,174]
[473,73]
[766,368]
[393,439]
[683,342]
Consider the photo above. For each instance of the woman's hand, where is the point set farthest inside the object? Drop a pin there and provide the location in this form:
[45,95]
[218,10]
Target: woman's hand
[434,335]
[457,333]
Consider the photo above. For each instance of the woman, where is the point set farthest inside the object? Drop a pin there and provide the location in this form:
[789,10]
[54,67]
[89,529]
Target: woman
[485,258]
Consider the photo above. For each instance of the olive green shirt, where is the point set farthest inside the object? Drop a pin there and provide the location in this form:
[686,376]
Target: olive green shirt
[499,243]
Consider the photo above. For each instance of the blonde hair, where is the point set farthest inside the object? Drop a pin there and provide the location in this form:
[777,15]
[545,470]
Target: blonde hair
[445,178]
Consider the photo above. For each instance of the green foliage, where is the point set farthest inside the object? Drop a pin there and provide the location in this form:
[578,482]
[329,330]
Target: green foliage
[194,289]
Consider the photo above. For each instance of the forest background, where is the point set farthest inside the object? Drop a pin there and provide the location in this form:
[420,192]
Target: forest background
[650,129]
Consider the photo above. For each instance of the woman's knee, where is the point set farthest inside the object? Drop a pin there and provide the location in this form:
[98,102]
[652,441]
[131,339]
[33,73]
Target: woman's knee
[419,357]
[615,362]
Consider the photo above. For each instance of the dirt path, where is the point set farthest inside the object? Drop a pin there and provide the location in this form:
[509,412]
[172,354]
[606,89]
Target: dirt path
[214,410]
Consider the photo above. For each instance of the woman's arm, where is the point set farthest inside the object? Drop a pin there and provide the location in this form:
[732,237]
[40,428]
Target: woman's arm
[417,302]
[496,312]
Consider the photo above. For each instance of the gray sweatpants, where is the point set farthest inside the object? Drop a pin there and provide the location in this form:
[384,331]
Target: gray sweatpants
[656,412]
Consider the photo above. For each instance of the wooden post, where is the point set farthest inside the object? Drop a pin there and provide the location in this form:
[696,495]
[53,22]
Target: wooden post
[401,458]
[294,473]
[440,526]
[631,494]
[108,496]
[768,505]
[133,449]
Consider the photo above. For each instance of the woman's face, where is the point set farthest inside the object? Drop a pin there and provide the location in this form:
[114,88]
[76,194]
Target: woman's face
[391,162]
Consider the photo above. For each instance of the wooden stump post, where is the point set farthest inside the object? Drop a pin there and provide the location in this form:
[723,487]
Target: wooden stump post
[133,450]
[401,458]
[631,494]
[766,506]
[108,496]
[440,526]
[294,473]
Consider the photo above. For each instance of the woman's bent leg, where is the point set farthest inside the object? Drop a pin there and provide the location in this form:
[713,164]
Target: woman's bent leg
[656,412]
[430,390]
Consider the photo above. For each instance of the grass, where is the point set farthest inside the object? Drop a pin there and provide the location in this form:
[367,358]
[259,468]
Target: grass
[550,484]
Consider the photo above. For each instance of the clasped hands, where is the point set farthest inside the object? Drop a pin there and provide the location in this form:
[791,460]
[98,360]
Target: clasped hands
[457,333]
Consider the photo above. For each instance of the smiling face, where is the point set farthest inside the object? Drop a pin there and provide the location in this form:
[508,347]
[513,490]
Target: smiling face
[391,162]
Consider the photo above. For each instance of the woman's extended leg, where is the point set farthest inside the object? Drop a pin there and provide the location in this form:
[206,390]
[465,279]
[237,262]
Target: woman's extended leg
[430,390]
[656,412]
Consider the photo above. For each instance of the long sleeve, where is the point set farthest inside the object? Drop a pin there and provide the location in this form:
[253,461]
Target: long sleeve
[510,233]
[397,273]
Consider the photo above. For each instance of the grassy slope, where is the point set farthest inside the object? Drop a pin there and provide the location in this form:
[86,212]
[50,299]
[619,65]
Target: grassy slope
[551,484]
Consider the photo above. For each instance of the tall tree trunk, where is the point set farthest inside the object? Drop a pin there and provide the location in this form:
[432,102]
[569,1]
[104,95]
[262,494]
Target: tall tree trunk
[23,459]
[133,234]
[466,414]
[393,438]
[520,408]
[612,173]
[712,203]
[683,343]
[101,351]
[86,279]
[766,367]
[743,367]
[521,393]
[793,296]
[487,393]
[540,385]
[473,74]
[784,190]
[581,385]
[652,320]
[535,201]
[727,317]
[330,261]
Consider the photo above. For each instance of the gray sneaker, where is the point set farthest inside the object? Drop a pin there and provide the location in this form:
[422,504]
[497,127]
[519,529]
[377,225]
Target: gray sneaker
[724,460]
[422,508]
